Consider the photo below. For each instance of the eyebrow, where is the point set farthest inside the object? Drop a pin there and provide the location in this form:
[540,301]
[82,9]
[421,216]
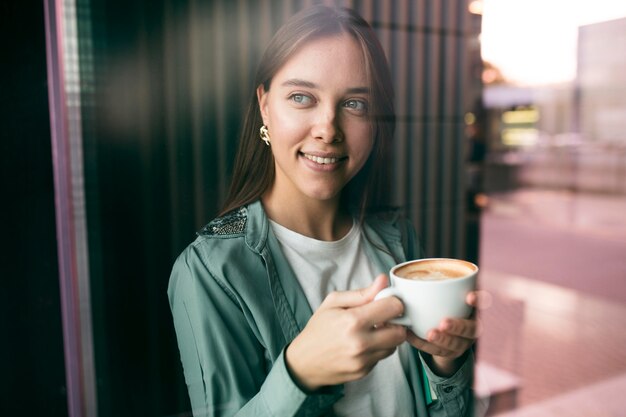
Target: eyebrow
[308,84]
[299,83]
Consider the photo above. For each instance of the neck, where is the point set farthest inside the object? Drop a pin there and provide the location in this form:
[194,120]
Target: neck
[322,220]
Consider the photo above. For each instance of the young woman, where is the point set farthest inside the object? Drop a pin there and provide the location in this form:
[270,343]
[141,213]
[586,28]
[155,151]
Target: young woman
[273,303]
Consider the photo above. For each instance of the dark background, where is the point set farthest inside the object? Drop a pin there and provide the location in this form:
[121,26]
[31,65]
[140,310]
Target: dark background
[31,349]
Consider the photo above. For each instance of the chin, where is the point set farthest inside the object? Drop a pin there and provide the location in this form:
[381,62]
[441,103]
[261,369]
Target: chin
[323,195]
[324,190]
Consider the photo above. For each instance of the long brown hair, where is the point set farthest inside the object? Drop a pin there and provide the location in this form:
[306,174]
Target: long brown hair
[253,171]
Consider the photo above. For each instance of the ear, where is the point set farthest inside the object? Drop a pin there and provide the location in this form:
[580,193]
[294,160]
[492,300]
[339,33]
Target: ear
[261,95]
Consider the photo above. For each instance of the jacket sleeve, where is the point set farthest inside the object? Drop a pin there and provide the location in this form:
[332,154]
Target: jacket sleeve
[453,396]
[224,363]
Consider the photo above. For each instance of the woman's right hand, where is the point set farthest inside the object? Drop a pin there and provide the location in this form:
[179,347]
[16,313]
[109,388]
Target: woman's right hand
[346,337]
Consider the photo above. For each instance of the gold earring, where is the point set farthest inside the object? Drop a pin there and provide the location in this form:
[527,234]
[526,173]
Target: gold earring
[265,135]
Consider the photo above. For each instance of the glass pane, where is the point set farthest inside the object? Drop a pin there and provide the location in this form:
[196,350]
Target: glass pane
[553,199]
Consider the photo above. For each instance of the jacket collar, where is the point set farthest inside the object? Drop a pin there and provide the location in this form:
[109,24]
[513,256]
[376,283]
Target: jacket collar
[257,227]
[290,302]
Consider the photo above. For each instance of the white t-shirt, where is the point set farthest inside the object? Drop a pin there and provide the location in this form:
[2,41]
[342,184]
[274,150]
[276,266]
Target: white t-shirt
[322,267]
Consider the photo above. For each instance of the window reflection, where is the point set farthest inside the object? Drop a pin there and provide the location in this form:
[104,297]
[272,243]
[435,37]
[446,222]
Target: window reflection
[553,231]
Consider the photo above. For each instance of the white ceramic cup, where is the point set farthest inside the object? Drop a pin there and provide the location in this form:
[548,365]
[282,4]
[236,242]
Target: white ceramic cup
[437,290]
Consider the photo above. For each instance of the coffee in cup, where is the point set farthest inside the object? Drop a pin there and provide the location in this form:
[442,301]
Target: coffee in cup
[431,289]
[434,269]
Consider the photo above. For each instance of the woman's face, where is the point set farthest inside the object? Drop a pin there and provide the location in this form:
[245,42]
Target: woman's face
[316,112]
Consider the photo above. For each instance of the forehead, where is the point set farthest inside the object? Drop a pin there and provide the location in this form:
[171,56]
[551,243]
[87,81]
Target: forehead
[333,60]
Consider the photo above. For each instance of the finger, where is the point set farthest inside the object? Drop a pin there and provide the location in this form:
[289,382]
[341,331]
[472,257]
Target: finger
[387,337]
[480,299]
[380,282]
[368,363]
[381,311]
[426,346]
[381,354]
[466,328]
[355,298]
[449,342]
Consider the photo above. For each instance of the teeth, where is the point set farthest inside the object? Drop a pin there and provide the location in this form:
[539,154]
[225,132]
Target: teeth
[321,160]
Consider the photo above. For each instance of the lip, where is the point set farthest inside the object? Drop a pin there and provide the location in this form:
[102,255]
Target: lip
[322,161]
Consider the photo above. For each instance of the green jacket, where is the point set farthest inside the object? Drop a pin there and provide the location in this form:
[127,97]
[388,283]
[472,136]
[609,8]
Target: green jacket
[237,304]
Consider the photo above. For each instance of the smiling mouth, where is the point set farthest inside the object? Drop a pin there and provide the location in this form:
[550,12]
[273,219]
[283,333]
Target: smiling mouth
[323,160]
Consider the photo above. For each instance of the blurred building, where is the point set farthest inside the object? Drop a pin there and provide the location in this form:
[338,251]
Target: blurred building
[601,81]
[569,135]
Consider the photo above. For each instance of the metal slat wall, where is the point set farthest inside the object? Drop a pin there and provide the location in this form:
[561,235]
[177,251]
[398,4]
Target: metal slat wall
[427,43]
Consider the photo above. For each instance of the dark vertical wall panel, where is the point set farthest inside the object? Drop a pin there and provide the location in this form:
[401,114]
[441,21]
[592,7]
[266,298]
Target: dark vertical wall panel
[427,44]
[32,373]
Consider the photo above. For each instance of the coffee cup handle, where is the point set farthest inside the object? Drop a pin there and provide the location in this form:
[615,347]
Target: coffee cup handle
[393,292]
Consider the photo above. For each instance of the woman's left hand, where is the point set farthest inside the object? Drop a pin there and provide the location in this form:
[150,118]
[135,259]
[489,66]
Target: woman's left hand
[447,344]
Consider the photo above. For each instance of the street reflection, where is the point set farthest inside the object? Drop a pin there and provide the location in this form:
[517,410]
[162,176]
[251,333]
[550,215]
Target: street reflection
[558,322]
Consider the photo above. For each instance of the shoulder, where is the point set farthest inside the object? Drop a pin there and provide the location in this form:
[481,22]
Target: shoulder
[387,219]
[230,224]
[218,243]
[394,227]
[222,239]
[217,255]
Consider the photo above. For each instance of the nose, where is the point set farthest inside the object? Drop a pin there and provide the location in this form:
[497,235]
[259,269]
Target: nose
[326,127]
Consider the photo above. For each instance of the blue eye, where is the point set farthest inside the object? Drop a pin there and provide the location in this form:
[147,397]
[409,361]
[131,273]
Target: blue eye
[356,105]
[301,99]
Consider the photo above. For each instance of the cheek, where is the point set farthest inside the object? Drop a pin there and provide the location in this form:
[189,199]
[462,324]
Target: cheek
[367,151]
[285,119]
[360,154]
[364,144]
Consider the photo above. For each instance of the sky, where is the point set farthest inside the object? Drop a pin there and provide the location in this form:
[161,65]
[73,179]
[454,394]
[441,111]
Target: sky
[534,42]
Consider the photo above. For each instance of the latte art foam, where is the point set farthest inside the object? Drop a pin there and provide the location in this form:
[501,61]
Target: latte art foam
[434,270]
